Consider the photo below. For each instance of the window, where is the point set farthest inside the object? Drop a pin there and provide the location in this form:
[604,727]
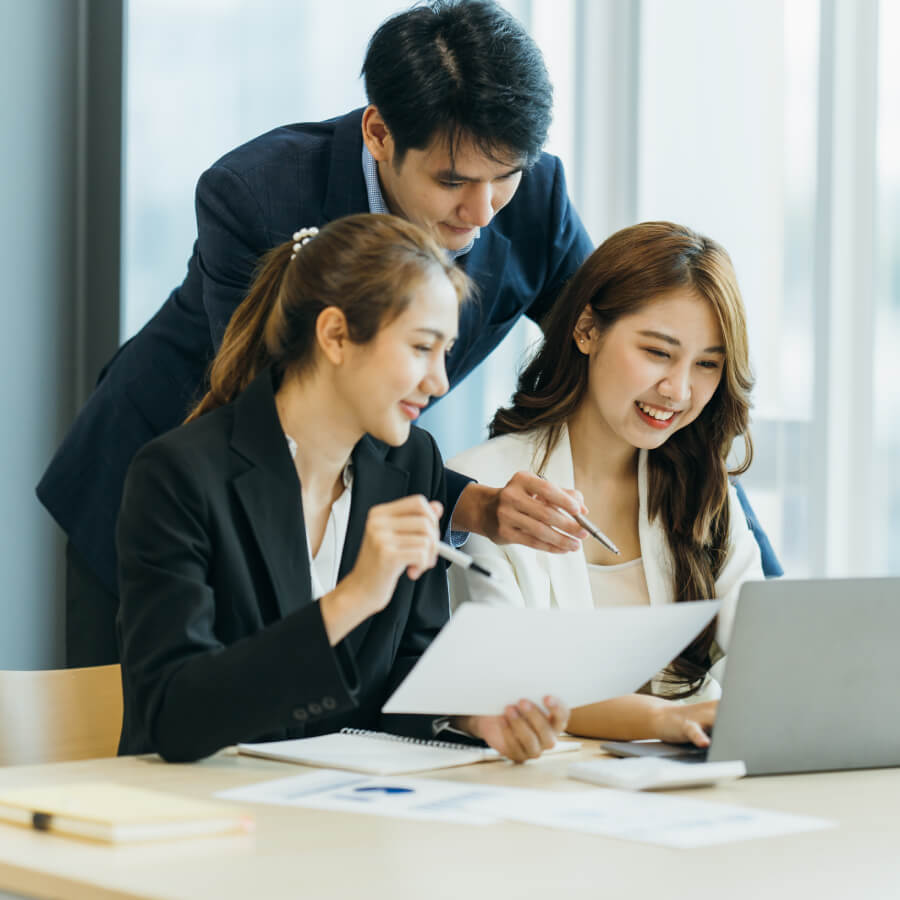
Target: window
[202,76]
[727,145]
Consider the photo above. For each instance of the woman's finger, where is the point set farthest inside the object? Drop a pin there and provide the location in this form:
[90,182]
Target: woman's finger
[521,726]
[539,723]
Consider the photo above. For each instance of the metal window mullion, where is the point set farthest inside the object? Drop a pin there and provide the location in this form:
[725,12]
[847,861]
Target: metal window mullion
[860,294]
[840,501]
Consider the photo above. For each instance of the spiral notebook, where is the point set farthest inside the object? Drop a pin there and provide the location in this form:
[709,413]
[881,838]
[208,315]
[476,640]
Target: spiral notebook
[378,753]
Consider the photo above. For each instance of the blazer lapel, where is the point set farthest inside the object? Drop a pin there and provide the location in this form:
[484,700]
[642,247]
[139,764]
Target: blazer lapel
[486,264]
[269,492]
[658,568]
[568,571]
[374,481]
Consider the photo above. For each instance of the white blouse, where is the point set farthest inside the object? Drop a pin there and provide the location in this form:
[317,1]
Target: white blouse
[324,566]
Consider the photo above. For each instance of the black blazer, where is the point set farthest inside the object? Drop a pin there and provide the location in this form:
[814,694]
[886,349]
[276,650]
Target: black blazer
[249,201]
[219,637]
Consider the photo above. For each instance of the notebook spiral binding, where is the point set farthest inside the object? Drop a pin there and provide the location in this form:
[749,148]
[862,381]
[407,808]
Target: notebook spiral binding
[420,742]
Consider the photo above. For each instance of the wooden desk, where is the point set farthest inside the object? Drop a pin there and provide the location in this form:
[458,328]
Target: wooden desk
[298,853]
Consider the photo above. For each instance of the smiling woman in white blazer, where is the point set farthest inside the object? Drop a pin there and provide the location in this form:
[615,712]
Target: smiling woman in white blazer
[632,403]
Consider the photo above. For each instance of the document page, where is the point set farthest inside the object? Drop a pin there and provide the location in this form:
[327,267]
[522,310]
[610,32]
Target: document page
[406,798]
[487,657]
[648,818]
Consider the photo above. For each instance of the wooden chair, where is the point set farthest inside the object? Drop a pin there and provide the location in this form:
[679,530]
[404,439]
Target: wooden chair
[59,714]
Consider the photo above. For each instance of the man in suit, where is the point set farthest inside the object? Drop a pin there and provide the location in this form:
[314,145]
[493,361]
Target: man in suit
[459,108]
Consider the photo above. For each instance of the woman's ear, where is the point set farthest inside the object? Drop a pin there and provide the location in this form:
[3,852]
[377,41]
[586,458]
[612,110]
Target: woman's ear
[332,334]
[584,331]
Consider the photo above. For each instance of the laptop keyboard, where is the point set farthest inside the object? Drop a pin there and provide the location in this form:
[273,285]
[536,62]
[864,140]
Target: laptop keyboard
[657,749]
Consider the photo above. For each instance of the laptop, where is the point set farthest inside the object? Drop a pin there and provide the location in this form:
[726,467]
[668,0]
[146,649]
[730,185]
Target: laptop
[812,680]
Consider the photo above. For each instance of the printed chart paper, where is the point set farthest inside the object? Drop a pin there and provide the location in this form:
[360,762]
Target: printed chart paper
[405,798]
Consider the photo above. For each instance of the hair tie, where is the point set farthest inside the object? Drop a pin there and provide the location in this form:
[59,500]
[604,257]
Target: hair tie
[302,237]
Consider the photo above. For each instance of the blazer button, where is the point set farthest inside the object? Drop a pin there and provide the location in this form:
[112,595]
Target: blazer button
[300,714]
[314,709]
[329,703]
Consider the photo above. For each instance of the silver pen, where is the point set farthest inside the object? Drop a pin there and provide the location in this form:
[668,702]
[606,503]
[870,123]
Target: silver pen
[451,554]
[592,529]
[595,532]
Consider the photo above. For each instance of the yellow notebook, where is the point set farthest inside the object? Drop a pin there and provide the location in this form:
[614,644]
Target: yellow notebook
[114,813]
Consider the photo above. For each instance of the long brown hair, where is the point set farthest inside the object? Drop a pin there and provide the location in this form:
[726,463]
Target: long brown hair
[365,265]
[688,474]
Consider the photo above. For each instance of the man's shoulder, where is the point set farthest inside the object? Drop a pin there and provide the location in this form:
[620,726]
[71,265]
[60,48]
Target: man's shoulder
[540,206]
[540,182]
[291,144]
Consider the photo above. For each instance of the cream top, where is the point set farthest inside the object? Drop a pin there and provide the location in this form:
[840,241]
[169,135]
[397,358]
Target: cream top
[623,584]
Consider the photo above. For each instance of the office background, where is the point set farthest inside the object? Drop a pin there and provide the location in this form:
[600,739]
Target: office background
[773,126]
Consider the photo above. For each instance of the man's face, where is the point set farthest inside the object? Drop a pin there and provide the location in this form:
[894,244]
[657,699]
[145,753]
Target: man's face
[450,197]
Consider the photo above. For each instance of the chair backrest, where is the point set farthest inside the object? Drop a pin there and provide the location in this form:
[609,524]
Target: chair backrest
[59,714]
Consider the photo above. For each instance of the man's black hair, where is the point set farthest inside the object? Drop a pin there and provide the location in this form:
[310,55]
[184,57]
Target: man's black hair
[463,69]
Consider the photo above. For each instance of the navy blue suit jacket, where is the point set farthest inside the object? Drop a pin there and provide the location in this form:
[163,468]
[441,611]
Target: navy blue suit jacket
[249,201]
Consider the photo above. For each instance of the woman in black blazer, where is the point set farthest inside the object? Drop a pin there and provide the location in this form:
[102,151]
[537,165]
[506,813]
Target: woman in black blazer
[301,449]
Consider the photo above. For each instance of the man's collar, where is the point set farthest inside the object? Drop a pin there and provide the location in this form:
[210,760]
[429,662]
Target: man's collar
[376,198]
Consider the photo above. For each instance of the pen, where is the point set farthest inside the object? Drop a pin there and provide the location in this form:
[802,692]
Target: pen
[451,554]
[594,531]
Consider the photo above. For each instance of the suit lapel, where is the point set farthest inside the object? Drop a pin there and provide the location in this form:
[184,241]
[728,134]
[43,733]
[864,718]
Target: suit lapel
[269,492]
[374,481]
[658,569]
[485,263]
[568,571]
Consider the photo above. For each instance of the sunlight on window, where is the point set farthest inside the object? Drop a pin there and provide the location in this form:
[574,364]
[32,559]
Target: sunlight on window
[727,145]
[202,77]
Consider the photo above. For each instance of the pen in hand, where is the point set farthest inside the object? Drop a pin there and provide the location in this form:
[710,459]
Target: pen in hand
[591,529]
[451,554]
[595,532]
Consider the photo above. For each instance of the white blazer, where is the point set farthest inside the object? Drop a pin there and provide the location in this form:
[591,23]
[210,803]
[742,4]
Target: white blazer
[540,580]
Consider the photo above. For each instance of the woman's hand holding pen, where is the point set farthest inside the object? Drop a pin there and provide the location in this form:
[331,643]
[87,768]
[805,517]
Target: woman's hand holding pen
[527,510]
[400,536]
[524,731]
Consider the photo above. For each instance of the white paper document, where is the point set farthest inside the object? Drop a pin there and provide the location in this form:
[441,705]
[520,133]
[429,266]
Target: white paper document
[407,798]
[487,657]
[648,818]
